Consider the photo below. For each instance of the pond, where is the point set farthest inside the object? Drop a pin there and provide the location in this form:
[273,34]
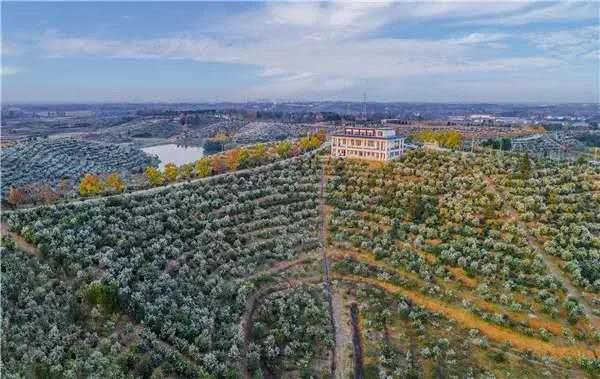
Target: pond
[177,154]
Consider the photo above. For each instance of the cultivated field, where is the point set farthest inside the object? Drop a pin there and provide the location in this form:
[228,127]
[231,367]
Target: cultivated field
[446,265]
[455,274]
[48,161]
[151,283]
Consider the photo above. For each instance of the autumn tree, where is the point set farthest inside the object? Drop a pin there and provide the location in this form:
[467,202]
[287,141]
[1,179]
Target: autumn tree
[170,172]
[304,143]
[45,193]
[311,141]
[115,183]
[154,176]
[185,171]
[247,159]
[203,167]
[217,165]
[446,138]
[283,149]
[259,152]
[64,187]
[16,196]
[233,159]
[90,185]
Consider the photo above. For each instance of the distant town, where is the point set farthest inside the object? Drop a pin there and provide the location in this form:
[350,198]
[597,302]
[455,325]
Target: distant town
[560,131]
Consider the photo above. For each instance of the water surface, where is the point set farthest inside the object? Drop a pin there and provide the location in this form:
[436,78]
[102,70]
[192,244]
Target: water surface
[177,154]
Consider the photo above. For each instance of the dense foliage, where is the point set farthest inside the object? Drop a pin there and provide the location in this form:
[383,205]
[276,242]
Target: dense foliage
[173,260]
[292,330]
[471,235]
[446,138]
[47,161]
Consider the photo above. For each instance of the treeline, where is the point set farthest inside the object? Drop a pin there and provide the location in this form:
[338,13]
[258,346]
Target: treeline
[498,143]
[445,138]
[589,139]
[92,184]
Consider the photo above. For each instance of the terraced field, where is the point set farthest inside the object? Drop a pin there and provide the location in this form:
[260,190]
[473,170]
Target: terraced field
[161,278]
[436,265]
[450,279]
[48,161]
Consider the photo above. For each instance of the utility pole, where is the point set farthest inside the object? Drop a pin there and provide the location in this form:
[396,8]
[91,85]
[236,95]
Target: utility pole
[365,106]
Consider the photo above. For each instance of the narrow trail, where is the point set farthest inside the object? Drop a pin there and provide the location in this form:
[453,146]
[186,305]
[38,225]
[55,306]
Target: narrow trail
[281,266]
[326,280]
[553,268]
[19,241]
[359,372]
[343,339]
[467,320]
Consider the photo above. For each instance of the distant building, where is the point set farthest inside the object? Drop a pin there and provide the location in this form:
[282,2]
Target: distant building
[482,119]
[378,144]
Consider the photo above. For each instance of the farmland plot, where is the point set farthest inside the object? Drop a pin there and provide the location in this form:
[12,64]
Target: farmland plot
[171,270]
[433,229]
[48,161]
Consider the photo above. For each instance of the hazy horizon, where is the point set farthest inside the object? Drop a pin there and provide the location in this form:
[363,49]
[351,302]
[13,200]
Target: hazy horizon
[155,52]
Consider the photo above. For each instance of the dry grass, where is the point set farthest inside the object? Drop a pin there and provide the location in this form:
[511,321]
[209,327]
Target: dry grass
[461,276]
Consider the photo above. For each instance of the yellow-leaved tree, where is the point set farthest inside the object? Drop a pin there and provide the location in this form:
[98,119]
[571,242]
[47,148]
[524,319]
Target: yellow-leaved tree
[154,176]
[233,159]
[283,149]
[186,170]
[115,183]
[90,185]
[170,172]
[202,167]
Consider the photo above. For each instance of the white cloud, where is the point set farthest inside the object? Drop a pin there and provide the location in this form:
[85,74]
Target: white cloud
[545,12]
[571,44]
[314,47]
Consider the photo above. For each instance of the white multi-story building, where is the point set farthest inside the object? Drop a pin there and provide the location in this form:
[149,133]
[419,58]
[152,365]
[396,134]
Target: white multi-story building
[378,144]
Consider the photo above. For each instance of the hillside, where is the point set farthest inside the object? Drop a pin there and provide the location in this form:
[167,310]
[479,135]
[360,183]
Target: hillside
[436,265]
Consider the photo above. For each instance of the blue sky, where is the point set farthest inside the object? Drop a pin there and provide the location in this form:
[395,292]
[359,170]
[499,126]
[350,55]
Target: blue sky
[236,51]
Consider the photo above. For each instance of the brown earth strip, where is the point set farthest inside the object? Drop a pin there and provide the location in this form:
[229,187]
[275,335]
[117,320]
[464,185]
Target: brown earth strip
[359,372]
[468,320]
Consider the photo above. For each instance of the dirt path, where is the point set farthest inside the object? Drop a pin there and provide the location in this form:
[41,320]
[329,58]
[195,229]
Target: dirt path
[326,281]
[282,266]
[468,320]
[539,322]
[19,241]
[359,372]
[343,339]
[552,266]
